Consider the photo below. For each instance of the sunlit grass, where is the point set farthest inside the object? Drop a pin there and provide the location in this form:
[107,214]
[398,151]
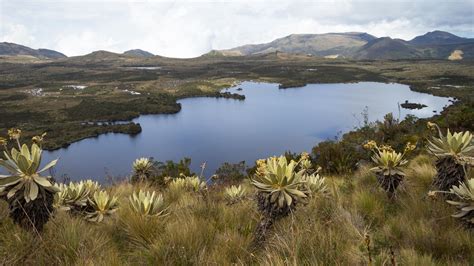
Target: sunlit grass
[202,228]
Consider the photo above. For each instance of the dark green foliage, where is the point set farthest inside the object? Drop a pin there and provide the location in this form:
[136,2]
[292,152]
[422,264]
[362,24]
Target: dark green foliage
[91,109]
[292,156]
[71,132]
[459,117]
[229,173]
[11,118]
[162,170]
[343,156]
[338,157]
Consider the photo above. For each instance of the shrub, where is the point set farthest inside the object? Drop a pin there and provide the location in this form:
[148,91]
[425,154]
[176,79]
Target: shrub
[231,173]
[170,168]
[336,157]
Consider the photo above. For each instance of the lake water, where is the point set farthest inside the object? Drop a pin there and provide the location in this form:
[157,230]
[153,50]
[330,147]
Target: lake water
[268,122]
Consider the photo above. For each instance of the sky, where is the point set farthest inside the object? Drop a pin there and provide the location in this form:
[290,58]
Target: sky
[190,28]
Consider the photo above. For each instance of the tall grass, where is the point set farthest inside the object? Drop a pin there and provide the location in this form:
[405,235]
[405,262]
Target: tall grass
[202,228]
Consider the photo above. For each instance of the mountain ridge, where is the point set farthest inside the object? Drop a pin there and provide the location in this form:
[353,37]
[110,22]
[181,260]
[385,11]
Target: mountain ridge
[13,49]
[438,38]
[360,45]
[353,45]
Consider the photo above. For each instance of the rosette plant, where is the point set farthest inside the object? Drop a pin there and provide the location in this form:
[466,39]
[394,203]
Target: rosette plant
[452,151]
[73,197]
[464,201]
[142,169]
[189,183]
[315,184]
[234,194]
[29,194]
[101,204]
[389,165]
[280,188]
[147,204]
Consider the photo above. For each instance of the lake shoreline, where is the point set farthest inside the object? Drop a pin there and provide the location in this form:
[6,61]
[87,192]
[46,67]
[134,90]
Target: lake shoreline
[222,130]
[220,94]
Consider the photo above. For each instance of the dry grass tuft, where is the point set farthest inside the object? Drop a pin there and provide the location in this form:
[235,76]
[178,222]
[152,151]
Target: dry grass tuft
[202,228]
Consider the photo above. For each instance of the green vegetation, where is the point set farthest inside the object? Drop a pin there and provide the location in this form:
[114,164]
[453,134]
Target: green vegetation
[147,204]
[340,220]
[234,194]
[279,189]
[189,183]
[113,90]
[284,210]
[465,201]
[389,165]
[29,195]
[142,169]
[451,151]
[229,173]
[101,205]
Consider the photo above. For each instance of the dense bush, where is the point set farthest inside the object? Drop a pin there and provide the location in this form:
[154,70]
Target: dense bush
[338,157]
[159,173]
[231,173]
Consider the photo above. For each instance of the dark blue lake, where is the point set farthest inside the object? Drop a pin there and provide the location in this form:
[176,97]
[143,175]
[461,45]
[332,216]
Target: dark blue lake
[268,122]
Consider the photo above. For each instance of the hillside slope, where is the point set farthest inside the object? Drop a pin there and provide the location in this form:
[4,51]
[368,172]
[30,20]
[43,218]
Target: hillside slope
[313,44]
[386,48]
[439,38]
[138,53]
[12,49]
[356,45]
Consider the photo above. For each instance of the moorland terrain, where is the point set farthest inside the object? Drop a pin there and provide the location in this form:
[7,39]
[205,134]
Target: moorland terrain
[329,207]
[68,98]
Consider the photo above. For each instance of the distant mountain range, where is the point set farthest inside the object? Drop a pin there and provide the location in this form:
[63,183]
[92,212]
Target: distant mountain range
[353,45]
[356,45]
[12,49]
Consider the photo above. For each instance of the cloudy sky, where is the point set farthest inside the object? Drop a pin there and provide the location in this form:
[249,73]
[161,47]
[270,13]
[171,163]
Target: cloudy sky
[191,28]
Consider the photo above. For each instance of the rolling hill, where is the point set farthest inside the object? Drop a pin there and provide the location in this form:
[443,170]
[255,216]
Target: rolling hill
[312,44]
[12,49]
[138,53]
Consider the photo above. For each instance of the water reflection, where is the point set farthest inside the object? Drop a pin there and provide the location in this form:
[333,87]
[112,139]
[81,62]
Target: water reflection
[269,122]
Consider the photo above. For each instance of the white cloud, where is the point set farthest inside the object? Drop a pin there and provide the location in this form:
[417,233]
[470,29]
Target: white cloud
[16,33]
[190,28]
[84,42]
